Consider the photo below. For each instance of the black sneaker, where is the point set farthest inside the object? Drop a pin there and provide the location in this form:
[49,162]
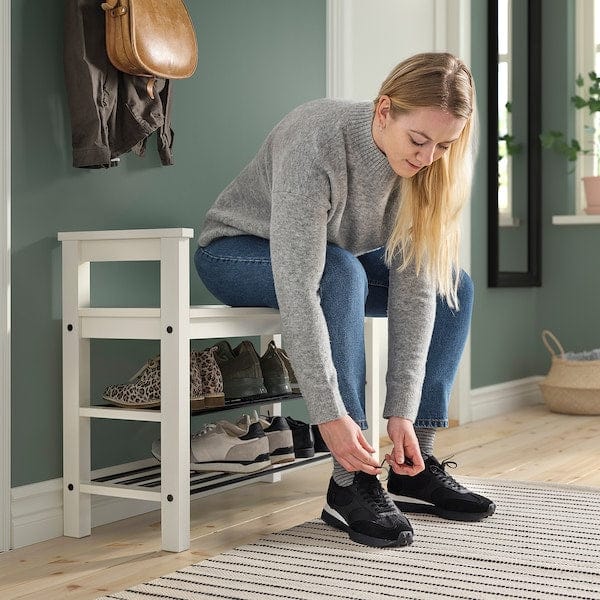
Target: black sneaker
[320,445]
[434,491]
[366,513]
[304,442]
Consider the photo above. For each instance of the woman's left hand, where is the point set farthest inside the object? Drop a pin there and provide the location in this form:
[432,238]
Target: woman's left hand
[405,458]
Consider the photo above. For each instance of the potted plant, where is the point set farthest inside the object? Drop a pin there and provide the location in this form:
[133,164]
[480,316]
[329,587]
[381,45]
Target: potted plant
[556,140]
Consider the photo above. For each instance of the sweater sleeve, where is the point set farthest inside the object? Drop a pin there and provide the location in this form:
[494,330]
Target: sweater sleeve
[298,234]
[411,314]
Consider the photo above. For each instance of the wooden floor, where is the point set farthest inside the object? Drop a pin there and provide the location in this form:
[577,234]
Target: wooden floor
[530,444]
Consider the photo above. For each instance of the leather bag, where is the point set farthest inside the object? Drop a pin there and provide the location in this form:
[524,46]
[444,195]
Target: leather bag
[151,38]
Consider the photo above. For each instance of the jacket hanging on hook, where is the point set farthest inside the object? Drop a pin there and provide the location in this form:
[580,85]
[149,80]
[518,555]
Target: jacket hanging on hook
[111,112]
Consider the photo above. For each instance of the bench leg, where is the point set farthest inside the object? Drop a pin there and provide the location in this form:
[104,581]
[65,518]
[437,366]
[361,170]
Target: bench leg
[273,408]
[375,332]
[175,395]
[76,392]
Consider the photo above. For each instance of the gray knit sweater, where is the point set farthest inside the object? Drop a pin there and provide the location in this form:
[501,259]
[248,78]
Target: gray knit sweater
[319,178]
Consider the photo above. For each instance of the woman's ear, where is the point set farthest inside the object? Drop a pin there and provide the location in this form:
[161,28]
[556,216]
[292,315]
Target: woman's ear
[382,110]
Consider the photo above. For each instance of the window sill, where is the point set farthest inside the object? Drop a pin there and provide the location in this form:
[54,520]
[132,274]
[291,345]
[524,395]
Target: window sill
[576,220]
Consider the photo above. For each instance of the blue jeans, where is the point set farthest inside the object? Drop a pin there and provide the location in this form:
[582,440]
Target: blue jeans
[237,271]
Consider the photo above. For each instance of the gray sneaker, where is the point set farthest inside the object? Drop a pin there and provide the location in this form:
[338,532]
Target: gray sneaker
[240,367]
[274,371]
[227,447]
[279,435]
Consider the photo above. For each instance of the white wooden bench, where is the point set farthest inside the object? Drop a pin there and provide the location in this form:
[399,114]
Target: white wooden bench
[175,323]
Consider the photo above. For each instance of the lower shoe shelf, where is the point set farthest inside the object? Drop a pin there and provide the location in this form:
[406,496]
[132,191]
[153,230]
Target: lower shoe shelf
[144,483]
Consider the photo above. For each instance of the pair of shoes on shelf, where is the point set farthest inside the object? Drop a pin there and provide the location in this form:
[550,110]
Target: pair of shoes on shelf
[307,438]
[251,444]
[240,447]
[143,389]
[373,517]
[246,374]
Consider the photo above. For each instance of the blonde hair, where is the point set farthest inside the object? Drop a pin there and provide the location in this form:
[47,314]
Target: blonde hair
[427,226]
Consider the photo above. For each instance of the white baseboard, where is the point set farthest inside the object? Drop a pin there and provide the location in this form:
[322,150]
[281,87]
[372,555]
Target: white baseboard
[37,513]
[493,400]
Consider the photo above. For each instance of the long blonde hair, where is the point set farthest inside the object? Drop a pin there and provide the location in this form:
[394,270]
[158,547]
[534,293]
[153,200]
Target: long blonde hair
[427,226]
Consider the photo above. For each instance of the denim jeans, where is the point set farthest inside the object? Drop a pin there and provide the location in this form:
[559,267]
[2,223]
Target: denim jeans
[237,271]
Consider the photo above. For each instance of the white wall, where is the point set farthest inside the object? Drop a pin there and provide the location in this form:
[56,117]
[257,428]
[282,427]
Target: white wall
[375,35]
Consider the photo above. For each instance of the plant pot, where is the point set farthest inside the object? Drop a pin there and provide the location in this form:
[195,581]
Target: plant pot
[592,195]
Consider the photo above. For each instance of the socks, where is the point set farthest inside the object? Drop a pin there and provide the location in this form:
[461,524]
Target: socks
[426,437]
[342,477]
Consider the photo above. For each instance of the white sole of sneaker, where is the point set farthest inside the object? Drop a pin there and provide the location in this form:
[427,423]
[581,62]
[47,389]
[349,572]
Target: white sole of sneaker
[226,467]
[232,467]
[332,517]
[414,505]
[282,458]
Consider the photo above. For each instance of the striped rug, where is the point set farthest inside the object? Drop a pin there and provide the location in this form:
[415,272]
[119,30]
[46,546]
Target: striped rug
[542,543]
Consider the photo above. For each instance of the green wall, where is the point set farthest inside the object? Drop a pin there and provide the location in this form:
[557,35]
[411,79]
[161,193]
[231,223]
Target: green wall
[257,60]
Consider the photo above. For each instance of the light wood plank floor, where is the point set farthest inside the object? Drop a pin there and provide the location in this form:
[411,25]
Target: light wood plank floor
[530,444]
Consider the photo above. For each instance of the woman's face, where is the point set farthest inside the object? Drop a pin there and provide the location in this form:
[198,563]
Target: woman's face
[412,141]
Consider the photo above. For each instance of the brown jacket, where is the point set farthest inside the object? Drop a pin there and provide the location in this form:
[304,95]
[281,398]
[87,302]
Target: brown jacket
[111,112]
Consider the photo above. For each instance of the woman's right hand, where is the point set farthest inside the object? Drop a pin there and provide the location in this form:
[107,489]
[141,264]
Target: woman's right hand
[348,445]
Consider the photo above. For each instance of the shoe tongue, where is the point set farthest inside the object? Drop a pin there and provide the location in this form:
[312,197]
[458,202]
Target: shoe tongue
[376,492]
[365,480]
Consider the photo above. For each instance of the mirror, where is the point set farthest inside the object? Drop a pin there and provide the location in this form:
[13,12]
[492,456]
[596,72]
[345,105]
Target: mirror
[514,113]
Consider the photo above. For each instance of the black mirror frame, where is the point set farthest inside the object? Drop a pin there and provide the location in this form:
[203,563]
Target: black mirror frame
[533,276]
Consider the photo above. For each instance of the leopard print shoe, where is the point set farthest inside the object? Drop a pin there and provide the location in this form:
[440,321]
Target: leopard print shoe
[143,389]
[210,376]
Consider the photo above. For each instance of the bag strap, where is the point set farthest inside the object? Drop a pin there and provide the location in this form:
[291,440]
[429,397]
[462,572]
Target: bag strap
[111,6]
[548,334]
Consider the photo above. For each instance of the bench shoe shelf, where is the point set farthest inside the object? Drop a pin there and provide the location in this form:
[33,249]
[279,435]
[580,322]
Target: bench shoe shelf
[175,323]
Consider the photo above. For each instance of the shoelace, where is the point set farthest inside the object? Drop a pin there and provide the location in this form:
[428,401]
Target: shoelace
[447,479]
[371,491]
[205,429]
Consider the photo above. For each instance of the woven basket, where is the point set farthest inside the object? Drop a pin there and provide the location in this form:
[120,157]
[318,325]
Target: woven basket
[572,386]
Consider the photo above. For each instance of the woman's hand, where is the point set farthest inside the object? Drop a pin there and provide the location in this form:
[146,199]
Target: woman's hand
[405,458]
[349,446]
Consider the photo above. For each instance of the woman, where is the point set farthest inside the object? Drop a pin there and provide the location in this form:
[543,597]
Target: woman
[352,209]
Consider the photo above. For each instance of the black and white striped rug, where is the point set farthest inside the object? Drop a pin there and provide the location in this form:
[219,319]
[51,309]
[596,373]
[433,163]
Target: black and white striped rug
[543,542]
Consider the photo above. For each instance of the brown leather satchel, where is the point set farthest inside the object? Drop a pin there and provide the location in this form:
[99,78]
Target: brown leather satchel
[151,38]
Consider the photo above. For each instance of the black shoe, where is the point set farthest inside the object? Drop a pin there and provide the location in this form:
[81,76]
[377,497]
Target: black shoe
[304,443]
[320,445]
[434,491]
[366,513]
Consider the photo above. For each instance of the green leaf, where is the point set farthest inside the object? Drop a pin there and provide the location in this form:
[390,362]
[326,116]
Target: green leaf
[579,80]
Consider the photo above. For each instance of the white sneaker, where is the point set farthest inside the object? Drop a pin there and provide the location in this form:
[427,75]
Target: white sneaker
[279,435]
[223,446]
